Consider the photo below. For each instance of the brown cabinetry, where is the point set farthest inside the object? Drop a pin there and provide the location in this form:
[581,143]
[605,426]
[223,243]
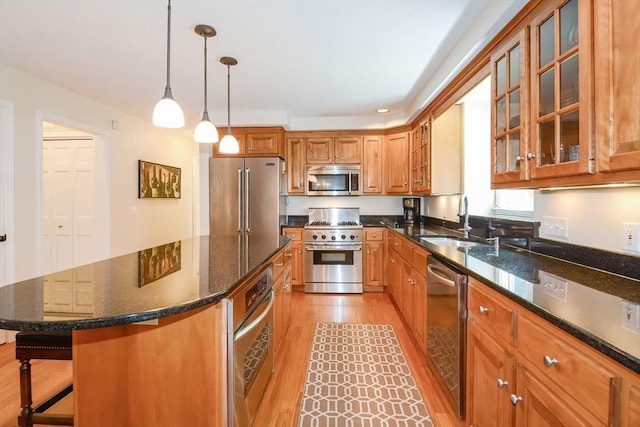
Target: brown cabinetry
[396,160]
[420,158]
[372,182]
[523,371]
[338,149]
[282,294]
[296,255]
[373,259]
[295,160]
[256,142]
[617,87]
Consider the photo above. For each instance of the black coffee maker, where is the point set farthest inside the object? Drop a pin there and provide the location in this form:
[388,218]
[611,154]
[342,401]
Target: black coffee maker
[411,206]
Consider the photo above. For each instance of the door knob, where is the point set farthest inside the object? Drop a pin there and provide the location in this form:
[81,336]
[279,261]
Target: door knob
[3,238]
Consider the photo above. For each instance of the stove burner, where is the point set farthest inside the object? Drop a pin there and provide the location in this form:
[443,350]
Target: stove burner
[319,223]
[342,223]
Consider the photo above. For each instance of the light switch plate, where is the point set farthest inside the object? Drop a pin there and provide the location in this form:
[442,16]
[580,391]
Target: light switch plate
[555,226]
[554,285]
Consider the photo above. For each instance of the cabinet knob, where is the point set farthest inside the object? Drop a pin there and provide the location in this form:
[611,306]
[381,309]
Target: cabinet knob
[530,156]
[483,310]
[502,383]
[519,158]
[515,399]
[549,361]
[368,252]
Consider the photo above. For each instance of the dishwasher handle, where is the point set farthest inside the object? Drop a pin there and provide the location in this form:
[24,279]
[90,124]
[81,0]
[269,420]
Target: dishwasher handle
[441,275]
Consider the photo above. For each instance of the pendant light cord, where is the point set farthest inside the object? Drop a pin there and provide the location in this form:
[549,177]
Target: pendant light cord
[168,88]
[205,78]
[228,100]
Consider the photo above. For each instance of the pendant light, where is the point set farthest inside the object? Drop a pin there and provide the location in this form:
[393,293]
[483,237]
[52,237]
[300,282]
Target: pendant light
[167,113]
[228,143]
[205,131]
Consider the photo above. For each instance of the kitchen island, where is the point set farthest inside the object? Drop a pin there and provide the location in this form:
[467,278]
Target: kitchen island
[149,329]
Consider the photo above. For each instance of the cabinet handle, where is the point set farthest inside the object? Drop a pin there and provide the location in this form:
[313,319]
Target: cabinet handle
[515,399]
[279,264]
[530,156]
[483,310]
[549,361]
[519,158]
[502,383]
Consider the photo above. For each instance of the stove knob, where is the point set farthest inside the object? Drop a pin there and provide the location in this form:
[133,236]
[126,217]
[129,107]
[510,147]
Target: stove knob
[343,237]
[315,236]
[352,237]
[333,237]
[324,237]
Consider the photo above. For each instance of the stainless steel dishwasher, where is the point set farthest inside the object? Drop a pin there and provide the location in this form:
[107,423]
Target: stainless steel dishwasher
[446,328]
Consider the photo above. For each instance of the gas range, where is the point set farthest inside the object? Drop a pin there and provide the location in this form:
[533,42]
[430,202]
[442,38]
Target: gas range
[333,226]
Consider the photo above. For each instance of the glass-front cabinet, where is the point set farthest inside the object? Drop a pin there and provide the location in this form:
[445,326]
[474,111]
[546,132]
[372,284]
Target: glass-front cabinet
[561,95]
[420,158]
[509,110]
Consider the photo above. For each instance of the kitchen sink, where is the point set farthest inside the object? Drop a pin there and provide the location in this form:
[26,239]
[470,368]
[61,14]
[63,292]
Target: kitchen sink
[451,241]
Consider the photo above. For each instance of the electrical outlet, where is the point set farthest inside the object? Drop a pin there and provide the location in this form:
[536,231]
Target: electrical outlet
[631,237]
[555,226]
[631,316]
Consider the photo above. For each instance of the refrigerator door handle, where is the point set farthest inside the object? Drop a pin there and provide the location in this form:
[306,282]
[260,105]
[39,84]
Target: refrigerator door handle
[247,203]
[239,200]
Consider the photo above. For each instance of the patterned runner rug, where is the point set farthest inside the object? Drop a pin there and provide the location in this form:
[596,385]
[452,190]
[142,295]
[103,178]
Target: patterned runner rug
[359,377]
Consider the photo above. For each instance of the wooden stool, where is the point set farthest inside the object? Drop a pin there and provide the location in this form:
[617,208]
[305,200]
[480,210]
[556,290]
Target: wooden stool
[41,345]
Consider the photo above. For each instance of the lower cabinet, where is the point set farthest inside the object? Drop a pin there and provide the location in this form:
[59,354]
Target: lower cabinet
[524,371]
[296,255]
[282,294]
[373,259]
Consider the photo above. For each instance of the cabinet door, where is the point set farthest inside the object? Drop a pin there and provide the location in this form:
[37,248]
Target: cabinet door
[347,149]
[490,381]
[373,264]
[372,165]
[394,276]
[561,82]
[296,166]
[420,158]
[396,154]
[407,293]
[542,403]
[420,309]
[509,110]
[267,144]
[319,150]
[617,85]
[297,263]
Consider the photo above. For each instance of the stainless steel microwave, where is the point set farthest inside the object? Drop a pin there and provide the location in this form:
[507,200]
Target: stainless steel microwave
[333,180]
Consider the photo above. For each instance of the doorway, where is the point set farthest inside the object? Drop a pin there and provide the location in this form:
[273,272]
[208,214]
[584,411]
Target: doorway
[6,200]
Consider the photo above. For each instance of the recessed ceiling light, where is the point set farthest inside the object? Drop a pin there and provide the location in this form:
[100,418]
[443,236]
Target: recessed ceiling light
[382,110]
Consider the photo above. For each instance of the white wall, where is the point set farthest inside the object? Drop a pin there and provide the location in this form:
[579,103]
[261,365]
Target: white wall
[134,223]
[595,216]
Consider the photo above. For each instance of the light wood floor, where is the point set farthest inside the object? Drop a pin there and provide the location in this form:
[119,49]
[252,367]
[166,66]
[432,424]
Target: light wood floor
[279,406]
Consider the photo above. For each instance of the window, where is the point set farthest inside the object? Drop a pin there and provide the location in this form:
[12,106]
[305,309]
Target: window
[518,203]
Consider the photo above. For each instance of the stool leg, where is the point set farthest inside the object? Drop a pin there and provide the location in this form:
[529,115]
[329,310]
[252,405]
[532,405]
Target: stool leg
[24,420]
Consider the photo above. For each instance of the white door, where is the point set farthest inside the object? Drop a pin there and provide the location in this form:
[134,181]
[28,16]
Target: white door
[6,205]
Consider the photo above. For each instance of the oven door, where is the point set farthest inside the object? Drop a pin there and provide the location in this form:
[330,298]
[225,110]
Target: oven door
[252,361]
[333,268]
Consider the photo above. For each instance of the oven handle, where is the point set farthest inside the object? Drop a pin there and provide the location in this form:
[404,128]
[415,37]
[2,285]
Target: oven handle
[333,248]
[248,328]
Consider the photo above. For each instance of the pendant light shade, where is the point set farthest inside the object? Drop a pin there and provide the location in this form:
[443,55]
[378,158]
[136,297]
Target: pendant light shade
[205,131]
[229,143]
[167,113]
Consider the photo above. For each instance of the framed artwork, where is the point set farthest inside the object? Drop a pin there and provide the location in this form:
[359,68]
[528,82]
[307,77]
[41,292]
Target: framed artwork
[158,262]
[158,181]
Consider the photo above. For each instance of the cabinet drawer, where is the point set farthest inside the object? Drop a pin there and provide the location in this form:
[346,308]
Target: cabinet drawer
[278,264]
[395,242]
[407,251]
[570,368]
[374,234]
[295,233]
[499,318]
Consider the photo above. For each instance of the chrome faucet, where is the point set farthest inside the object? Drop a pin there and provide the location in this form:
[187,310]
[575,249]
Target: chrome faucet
[463,212]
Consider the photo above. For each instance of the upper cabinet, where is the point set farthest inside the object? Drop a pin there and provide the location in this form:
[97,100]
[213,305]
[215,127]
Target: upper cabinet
[561,90]
[509,109]
[255,142]
[617,86]
[340,149]
[420,158]
[295,161]
[372,182]
[396,161]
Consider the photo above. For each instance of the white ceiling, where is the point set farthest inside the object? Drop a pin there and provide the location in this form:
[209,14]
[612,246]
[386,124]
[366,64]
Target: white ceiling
[301,63]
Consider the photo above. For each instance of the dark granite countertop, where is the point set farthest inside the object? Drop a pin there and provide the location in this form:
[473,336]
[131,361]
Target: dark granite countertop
[587,303]
[121,290]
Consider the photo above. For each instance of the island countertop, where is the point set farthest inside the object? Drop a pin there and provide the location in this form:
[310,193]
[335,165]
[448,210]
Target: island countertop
[156,282]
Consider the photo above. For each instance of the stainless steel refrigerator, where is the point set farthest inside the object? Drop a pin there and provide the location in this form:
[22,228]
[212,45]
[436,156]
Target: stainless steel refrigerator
[247,196]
